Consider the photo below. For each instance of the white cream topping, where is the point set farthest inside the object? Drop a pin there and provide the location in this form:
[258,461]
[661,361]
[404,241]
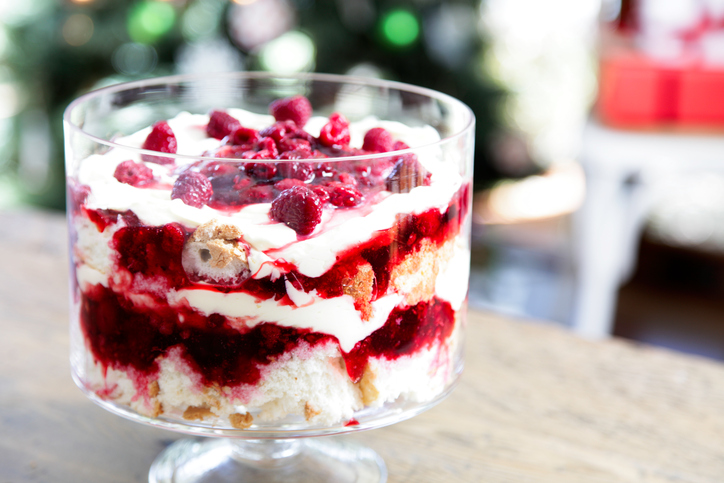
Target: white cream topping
[312,256]
[336,316]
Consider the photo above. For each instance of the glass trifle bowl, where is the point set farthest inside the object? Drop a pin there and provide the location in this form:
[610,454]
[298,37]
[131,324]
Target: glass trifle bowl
[264,258]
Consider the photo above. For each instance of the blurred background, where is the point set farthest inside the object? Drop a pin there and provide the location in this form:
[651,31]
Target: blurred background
[599,180]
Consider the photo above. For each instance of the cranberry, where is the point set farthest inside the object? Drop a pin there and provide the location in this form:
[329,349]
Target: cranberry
[343,196]
[221,124]
[300,171]
[297,109]
[192,188]
[244,135]
[261,171]
[160,139]
[299,208]
[378,140]
[135,174]
[408,173]
[336,132]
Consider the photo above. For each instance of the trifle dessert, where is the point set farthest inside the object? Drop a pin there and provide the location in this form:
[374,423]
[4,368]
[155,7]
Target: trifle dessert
[238,269]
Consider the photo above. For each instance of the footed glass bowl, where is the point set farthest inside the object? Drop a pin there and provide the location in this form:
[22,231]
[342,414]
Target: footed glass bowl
[262,259]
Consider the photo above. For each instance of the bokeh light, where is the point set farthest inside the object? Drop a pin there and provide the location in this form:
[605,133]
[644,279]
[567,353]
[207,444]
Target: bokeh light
[292,52]
[201,19]
[149,21]
[400,27]
[78,29]
[134,59]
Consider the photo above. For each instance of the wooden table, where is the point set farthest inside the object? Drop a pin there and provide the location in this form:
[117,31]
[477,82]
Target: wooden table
[536,404]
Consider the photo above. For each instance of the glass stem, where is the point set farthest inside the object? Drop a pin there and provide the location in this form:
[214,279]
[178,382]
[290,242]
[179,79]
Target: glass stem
[266,453]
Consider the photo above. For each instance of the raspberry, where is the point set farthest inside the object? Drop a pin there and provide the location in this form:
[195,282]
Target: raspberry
[378,140]
[408,173]
[299,208]
[300,171]
[242,181]
[192,188]
[347,178]
[336,132]
[291,144]
[321,192]
[231,151]
[296,154]
[297,109]
[399,146]
[215,169]
[244,135]
[279,130]
[286,183]
[256,194]
[261,171]
[161,139]
[343,196]
[221,125]
[324,170]
[135,174]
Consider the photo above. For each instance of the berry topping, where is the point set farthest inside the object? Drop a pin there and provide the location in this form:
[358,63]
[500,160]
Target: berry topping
[343,196]
[322,192]
[299,208]
[296,109]
[294,144]
[286,183]
[408,173]
[161,139]
[256,194]
[279,130]
[244,135]
[261,171]
[300,171]
[336,132]
[378,140]
[135,174]
[221,125]
[192,188]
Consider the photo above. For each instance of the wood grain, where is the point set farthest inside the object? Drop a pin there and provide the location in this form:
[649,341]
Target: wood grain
[535,404]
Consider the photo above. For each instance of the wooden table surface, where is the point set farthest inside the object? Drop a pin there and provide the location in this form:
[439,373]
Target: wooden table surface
[535,404]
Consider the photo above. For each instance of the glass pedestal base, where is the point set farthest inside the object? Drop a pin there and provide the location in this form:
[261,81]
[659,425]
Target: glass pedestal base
[268,461]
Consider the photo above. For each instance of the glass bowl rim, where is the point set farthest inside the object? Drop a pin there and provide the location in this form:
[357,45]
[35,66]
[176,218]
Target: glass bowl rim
[333,78]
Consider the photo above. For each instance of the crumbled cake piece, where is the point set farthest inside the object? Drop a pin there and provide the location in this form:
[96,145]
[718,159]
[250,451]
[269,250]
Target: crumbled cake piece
[197,413]
[415,276]
[367,386]
[360,288]
[215,254]
[310,411]
[241,421]
[153,389]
